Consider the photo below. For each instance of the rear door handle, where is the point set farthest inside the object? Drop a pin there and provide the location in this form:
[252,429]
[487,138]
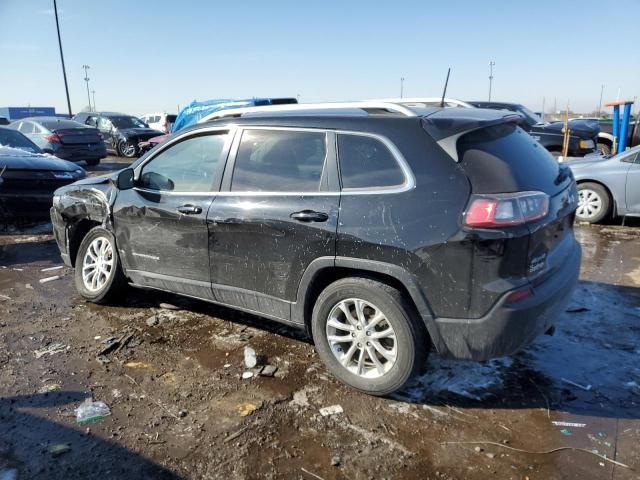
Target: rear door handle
[190,209]
[309,216]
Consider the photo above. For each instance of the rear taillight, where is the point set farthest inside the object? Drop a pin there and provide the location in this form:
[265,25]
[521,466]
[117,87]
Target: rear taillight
[53,138]
[506,209]
[518,295]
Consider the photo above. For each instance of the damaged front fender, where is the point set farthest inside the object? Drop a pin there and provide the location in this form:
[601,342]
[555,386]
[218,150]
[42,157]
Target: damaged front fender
[79,207]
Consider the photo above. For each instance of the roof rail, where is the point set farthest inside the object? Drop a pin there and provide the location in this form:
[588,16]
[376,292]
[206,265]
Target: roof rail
[301,107]
[426,101]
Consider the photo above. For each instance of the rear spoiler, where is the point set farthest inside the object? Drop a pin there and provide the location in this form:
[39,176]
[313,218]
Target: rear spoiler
[446,126]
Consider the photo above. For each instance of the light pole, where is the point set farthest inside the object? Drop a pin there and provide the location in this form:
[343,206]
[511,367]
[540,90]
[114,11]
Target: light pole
[64,71]
[401,86]
[93,92]
[86,79]
[491,64]
[600,102]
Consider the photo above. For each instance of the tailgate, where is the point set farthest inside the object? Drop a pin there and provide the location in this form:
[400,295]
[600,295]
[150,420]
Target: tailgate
[551,239]
[73,136]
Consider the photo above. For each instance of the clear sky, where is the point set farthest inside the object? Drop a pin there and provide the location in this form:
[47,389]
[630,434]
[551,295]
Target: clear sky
[155,55]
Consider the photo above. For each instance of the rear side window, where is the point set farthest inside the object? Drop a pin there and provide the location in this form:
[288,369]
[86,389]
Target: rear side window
[26,127]
[279,161]
[366,162]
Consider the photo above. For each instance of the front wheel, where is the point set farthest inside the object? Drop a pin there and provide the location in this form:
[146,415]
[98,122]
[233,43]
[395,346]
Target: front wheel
[604,149]
[98,274]
[367,334]
[594,202]
[127,148]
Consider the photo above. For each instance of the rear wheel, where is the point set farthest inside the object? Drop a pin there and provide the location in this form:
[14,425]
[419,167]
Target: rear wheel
[366,333]
[594,202]
[98,274]
[604,149]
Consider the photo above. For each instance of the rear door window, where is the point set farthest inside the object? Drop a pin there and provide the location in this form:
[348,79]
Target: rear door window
[279,161]
[26,127]
[367,163]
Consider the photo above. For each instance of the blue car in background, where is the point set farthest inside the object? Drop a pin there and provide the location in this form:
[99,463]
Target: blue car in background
[63,138]
[608,187]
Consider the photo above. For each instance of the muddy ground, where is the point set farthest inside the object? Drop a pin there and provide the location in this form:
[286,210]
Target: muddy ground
[180,409]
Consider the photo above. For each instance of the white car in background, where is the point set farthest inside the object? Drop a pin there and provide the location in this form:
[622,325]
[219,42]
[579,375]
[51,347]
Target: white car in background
[159,121]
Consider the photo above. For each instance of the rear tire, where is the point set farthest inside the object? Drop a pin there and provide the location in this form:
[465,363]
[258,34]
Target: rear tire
[594,203]
[98,274]
[375,357]
[603,149]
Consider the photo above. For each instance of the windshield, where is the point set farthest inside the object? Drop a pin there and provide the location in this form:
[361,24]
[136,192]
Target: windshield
[12,138]
[127,122]
[530,117]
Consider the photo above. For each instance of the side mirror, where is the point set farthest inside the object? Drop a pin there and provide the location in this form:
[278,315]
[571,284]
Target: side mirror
[125,179]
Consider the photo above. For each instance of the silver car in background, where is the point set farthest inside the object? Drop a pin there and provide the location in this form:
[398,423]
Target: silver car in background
[608,187]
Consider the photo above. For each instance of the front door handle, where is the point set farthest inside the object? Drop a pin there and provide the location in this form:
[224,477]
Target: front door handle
[190,209]
[309,216]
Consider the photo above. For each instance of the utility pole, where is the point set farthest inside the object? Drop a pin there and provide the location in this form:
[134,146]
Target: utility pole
[600,102]
[491,65]
[93,92]
[86,79]
[64,71]
[401,86]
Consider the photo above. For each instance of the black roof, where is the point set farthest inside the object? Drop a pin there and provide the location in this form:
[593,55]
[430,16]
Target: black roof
[439,122]
[495,104]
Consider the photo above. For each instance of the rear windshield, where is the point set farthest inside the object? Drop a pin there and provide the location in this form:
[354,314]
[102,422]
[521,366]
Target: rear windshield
[11,138]
[504,158]
[60,124]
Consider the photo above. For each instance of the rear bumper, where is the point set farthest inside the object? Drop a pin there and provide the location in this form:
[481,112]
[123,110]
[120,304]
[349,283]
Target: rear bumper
[507,329]
[80,153]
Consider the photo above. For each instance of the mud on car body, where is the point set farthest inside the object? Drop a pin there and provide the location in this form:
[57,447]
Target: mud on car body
[384,231]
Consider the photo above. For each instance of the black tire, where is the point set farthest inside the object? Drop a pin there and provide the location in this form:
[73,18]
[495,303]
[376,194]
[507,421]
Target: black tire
[114,283]
[93,162]
[593,190]
[412,343]
[603,148]
[127,149]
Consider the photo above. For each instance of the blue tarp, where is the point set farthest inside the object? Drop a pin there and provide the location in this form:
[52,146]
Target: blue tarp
[195,111]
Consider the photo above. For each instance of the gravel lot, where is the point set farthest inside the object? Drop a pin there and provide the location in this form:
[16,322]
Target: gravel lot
[180,409]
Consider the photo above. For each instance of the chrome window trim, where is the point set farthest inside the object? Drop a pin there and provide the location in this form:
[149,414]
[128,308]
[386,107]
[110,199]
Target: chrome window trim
[235,135]
[409,179]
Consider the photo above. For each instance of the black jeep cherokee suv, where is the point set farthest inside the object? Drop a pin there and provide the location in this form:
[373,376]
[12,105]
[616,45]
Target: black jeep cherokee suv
[386,232]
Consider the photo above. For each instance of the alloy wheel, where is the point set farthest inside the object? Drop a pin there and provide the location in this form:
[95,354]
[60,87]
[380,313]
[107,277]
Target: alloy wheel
[361,338]
[589,203]
[98,264]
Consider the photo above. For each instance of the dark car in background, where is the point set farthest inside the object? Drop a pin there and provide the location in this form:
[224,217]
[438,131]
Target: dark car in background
[583,138]
[28,178]
[382,230]
[4,121]
[122,133]
[608,187]
[63,138]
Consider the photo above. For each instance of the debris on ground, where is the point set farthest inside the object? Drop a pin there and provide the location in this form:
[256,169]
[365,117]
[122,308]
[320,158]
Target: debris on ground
[332,410]
[90,411]
[268,371]
[51,269]
[168,306]
[250,357]
[335,461]
[4,298]
[568,424]
[51,387]
[115,344]
[59,449]
[247,375]
[137,365]
[152,321]
[50,279]
[585,388]
[28,286]
[50,350]
[245,409]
